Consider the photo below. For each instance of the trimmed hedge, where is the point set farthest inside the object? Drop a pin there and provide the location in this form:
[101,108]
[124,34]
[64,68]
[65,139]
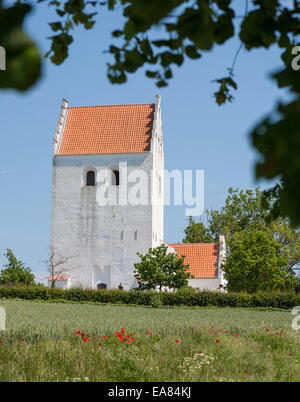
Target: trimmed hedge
[184,297]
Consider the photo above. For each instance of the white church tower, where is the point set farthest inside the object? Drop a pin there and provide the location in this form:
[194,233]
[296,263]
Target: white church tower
[107,191]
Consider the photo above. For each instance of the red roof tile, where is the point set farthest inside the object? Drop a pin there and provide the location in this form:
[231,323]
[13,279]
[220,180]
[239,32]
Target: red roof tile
[201,257]
[115,129]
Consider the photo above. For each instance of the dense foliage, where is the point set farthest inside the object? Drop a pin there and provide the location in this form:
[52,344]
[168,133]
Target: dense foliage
[183,297]
[261,254]
[15,272]
[159,268]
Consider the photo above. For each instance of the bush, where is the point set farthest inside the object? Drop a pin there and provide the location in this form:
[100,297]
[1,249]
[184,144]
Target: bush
[184,297]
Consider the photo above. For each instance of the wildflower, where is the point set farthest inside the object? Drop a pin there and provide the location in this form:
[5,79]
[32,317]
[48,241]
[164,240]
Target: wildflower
[177,340]
[21,340]
[131,339]
[105,337]
[122,330]
[267,329]
[99,344]
[128,341]
[218,340]
[77,333]
[200,351]
[1,341]
[246,339]
[85,339]
[291,354]
[148,332]
[226,330]
[236,335]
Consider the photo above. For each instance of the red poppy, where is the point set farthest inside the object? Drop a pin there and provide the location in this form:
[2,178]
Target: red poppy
[105,337]
[226,330]
[122,330]
[218,340]
[99,344]
[177,340]
[21,340]
[1,341]
[148,332]
[246,339]
[267,329]
[236,335]
[128,341]
[85,339]
[200,351]
[290,354]
[78,332]
[131,339]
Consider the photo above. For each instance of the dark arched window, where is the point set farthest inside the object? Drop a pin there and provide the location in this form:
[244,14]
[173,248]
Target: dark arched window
[90,178]
[101,286]
[116,178]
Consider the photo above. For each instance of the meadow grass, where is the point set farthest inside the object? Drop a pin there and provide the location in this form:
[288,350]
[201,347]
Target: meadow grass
[40,344]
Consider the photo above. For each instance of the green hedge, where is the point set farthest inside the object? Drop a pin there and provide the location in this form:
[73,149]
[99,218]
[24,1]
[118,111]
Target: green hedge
[185,297]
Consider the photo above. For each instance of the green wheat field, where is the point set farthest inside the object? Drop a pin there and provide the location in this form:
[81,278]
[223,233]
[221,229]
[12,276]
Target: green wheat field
[86,342]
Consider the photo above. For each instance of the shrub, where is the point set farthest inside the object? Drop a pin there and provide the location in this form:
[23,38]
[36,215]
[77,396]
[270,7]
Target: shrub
[184,297]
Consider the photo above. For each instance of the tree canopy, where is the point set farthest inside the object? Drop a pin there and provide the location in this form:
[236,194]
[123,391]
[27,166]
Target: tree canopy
[15,272]
[187,29]
[159,268]
[256,247]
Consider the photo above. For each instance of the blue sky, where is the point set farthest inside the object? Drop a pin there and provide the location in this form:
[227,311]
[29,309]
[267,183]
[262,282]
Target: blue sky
[198,134]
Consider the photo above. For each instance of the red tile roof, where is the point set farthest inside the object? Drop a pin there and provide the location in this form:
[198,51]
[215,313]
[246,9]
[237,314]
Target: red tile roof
[201,257]
[59,278]
[115,129]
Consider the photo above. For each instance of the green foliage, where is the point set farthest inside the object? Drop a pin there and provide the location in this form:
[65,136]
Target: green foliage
[242,209]
[158,268]
[23,60]
[183,297]
[196,232]
[255,244]
[255,262]
[15,272]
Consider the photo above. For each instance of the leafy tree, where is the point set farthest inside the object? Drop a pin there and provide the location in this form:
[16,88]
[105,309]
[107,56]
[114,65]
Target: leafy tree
[15,272]
[242,219]
[289,242]
[255,262]
[242,209]
[187,29]
[196,232]
[158,268]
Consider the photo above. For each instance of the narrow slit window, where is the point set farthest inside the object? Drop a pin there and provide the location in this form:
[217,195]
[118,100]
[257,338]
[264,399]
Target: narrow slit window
[116,178]
[90,178]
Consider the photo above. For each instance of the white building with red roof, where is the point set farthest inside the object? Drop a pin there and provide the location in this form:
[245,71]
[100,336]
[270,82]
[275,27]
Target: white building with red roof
[107,197]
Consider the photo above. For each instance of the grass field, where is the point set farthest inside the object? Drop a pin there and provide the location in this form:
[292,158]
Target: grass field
[204,344]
